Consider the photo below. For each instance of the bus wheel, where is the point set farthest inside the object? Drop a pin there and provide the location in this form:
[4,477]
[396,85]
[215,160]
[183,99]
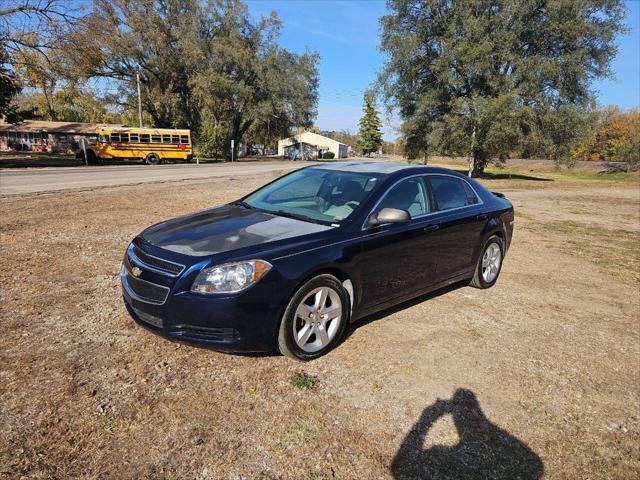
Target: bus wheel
[152,159]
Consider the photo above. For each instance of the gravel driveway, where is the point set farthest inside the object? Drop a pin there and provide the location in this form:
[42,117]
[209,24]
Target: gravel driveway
[537,377]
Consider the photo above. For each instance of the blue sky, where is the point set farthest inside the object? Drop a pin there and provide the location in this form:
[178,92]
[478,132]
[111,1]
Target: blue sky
[346,34]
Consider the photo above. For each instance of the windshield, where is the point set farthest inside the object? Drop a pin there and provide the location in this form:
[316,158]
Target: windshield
[315,194]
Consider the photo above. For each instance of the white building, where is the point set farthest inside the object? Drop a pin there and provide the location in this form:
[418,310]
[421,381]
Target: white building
[309,146]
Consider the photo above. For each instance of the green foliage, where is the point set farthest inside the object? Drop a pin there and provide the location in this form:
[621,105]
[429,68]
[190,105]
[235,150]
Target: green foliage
[205,63]
[370,135]
[8,86]
[303,380]
[68,103]
[480,78]
[328,155]
[211,141]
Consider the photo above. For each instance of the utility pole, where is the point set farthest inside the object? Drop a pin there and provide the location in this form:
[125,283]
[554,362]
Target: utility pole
[139,100]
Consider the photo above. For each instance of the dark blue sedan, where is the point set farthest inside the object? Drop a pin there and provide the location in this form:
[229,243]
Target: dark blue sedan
[289,266]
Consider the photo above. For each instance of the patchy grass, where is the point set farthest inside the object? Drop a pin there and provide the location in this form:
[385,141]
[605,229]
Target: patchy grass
[303,380]
[86,393]
[614,251]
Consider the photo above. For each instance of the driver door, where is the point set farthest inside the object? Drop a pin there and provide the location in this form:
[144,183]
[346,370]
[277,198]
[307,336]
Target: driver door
[397,260]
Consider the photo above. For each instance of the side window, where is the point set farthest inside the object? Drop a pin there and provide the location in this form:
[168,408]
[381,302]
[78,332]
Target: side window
[144,138]
[124,137]
[175,138]
[408,195]
[451,192]
[166,138]
[133,137]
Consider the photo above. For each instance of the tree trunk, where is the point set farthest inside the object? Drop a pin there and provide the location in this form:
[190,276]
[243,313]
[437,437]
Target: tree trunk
[474,154]
[476,166]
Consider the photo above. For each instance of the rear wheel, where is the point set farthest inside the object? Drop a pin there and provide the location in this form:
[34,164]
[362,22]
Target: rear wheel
[152,159]
[489,263]
[315,319]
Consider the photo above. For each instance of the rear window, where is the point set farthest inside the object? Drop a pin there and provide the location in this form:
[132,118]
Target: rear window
[451,192]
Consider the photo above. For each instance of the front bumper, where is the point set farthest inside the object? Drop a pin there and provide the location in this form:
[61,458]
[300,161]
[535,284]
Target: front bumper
[241,322]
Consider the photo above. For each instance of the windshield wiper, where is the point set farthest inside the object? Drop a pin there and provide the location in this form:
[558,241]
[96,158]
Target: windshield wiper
[296,216]
[243,204]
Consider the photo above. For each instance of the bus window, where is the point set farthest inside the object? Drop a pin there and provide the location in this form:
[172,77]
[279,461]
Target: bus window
[184,138]
[103,138]
[155,139]
[124,137]
[144,138]
[175,138]
[166,138]
[133,138]
[115,137]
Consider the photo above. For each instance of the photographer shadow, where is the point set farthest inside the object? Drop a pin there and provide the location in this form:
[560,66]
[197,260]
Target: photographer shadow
[484,450]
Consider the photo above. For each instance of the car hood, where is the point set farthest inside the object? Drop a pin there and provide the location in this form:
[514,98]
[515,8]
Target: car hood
[225,228]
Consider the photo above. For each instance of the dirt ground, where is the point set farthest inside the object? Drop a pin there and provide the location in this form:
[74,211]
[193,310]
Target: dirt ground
[535,378]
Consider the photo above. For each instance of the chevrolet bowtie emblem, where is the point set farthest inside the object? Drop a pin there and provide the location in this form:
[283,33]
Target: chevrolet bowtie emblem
[136,271]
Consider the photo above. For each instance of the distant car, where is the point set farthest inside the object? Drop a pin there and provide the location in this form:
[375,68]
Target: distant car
[289,266]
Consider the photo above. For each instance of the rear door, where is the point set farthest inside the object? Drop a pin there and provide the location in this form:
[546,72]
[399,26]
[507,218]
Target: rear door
[397,259]
[461,219]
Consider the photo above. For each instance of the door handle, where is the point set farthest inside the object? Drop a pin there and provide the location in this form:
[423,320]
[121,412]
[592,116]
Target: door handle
[431,228]
[481,216]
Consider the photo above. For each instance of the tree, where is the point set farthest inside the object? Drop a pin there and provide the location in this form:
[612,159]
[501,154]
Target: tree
[614,136]
[30,30]
[205,66]
[8,86]
[475,77]
[370,135]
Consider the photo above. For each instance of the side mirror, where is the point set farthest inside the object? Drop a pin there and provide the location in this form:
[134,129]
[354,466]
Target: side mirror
[389,215]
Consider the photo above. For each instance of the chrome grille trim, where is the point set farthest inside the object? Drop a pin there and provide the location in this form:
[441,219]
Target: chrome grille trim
[146,260]
[124,278]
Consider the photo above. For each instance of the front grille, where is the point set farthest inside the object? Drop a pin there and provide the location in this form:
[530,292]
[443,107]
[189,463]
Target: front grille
[148,318]
[207,333]
[156,263]
[145,291]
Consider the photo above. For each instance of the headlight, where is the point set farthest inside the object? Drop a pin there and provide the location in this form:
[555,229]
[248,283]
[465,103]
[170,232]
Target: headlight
[230,277]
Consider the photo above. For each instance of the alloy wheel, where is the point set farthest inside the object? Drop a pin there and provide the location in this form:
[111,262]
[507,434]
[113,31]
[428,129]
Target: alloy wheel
[491,262]
[317,319]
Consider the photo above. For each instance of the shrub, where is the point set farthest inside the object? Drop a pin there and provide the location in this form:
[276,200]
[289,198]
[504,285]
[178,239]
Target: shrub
[211,141]
[328,155]
[614,137]
[303,380]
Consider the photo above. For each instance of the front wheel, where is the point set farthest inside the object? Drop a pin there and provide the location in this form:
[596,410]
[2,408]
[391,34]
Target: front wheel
[152,159]
[489,263]
[315,319]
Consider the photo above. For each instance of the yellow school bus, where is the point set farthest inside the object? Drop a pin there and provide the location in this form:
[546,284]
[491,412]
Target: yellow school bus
[152,145]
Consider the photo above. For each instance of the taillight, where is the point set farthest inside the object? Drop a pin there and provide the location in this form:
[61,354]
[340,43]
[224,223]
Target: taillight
[182,146]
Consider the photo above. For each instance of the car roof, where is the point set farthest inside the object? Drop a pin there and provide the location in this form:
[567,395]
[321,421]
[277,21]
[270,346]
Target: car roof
[380,167]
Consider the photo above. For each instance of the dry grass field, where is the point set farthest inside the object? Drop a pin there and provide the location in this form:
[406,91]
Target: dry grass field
[535,378]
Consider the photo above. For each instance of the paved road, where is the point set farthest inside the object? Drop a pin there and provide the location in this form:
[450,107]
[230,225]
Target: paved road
[14,182]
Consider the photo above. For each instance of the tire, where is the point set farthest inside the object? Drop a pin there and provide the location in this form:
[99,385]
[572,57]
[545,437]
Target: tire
[489,263]
[302,318]
[152,159]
